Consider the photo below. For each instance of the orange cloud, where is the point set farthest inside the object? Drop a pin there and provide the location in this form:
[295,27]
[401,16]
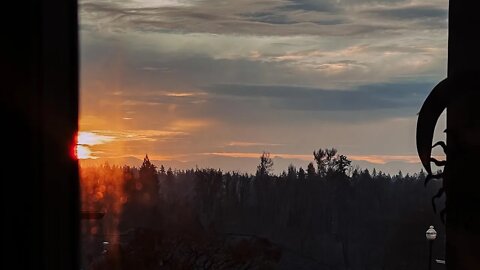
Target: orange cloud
[257,155]
[189,124]
[184,94]
[375,159]
[383,159]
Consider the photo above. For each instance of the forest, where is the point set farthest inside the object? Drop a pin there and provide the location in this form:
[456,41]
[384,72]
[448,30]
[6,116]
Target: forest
[329,215]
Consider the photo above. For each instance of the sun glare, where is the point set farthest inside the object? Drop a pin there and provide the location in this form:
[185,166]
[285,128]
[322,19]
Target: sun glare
[91,138]
[87,139]
[82,152]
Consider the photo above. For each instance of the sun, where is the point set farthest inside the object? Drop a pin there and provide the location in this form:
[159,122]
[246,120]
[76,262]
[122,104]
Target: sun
[86,139]
[83,152]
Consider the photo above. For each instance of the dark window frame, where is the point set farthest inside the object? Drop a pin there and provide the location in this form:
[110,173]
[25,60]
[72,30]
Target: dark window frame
[40,104]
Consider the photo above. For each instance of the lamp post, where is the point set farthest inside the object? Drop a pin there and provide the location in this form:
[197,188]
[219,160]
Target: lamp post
[431,235]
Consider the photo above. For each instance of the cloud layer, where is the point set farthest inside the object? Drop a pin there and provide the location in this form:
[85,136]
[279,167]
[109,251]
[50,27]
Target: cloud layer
[268,17]
[188,77]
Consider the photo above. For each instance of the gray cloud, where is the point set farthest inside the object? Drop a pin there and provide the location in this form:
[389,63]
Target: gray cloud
[332,5]
[363,98]
[411,12]
[232,80]
[282,18]
[315,5]
[159,61]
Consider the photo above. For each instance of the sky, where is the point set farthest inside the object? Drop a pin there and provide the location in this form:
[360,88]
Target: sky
[213,83]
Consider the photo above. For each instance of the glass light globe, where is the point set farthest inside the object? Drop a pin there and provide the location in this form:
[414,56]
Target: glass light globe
[431,234]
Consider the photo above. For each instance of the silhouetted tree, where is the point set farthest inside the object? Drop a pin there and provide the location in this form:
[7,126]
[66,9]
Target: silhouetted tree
[325,159]
[342,164]
[265,166]
[310,171]
[301,174]
[149,181]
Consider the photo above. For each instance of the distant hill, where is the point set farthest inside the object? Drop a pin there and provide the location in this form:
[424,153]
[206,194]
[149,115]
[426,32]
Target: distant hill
[248,165]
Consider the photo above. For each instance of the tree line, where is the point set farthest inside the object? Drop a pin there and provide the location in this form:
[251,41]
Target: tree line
[326,216]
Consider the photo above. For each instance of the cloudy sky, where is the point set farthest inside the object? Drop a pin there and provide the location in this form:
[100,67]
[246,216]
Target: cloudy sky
[214,83]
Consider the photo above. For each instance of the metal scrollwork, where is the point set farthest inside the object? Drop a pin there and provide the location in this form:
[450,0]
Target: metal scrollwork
[432,108]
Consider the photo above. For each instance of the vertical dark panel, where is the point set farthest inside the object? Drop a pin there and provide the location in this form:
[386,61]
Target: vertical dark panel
[21,178]
[59,124]
[39,105]
[463,138]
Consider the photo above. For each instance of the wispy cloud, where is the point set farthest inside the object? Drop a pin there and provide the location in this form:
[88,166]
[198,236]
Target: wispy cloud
[247,144]
[190,124]
[137,134]
[383,159]
[173,94]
